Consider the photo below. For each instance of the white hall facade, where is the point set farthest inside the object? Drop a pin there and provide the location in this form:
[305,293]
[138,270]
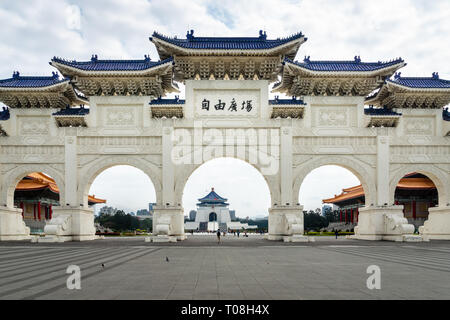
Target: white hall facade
[226,112]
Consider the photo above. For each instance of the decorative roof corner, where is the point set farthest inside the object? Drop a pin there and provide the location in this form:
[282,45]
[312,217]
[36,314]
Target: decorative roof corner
[119,77]
[412,92]
[39,91]
[71,117]
[4,114]
[381,117]
[167,108]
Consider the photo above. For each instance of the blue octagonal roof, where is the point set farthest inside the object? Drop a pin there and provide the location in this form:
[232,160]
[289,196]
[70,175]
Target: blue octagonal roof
[212,197]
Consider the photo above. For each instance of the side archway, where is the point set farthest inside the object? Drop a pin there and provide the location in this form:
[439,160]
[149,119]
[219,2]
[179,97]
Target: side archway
[13,177]
[361,171]
[439,178]
[88,174]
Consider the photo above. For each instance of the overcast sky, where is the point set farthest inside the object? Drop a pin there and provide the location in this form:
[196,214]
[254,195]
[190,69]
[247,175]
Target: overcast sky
[33,31]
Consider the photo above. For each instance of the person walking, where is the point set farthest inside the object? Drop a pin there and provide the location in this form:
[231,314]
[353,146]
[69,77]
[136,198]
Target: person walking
[218,236]
[336,233]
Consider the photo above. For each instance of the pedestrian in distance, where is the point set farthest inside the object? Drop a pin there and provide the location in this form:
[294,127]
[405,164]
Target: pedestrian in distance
[336,233]
[218,236]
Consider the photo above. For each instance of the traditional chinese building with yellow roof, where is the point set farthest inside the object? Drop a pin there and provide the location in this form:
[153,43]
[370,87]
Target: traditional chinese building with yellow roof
[415,191]
[36,194]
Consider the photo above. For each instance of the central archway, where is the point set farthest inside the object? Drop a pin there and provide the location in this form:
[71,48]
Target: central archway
[245,191]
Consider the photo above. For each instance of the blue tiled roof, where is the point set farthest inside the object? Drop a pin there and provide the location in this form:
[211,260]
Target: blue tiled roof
[72,112]
[227,43]
[18,81]
[112,65]
[162,101]
[446,114]
[212,197]
[432,82]
[287,101]
[4,114]
[380,112]
[344,66]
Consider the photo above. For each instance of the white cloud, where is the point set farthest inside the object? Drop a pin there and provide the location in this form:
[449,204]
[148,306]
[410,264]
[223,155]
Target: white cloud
[73,16]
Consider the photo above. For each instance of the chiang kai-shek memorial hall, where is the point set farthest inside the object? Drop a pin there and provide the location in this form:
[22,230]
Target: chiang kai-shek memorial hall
[94,114]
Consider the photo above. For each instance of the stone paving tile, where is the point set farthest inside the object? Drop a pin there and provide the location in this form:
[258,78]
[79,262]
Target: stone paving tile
[251,271]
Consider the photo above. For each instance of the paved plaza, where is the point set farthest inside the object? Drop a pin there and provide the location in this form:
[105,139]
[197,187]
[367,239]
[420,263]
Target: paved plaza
[239,268]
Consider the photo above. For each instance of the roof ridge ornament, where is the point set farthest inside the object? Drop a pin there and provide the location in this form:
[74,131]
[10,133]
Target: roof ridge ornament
[358,59]
[435,75]
[306,59]
[16,75]
[147,58]
[397,75]
[262,35]
[94,58]
[55,75]
[190,36]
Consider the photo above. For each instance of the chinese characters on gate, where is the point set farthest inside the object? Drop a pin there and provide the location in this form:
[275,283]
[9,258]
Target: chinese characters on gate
[233,106]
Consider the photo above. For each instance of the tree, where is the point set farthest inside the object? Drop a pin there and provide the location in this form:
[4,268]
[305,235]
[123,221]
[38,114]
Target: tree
[314,221]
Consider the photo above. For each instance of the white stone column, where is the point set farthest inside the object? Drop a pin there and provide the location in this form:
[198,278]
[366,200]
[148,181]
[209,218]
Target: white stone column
[286,166]
[382,171]
[168,218]
[70,171]
[168,167]
[71,221]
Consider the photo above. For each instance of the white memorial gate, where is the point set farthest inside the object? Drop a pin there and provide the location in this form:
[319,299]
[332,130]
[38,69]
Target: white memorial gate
[226,113]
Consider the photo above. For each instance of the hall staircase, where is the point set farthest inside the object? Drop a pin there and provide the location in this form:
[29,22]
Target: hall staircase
[223,227]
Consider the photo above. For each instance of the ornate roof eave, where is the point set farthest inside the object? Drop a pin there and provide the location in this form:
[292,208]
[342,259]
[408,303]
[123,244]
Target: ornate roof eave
[71,71]
[64,88]
[295,44]
[385,71]
[296,81]
[70,121]
[403,88]
[390,88]
[167,111]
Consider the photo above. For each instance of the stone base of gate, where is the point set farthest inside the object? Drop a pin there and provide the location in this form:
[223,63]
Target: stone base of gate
[168,224]
[384,223]
[12,226]
[70,224]
[437,227]
[286,224]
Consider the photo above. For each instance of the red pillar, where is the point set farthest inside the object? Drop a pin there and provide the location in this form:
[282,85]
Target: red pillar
[346,210]
[357,214]
[351,215]
[39,211]
[414,209]
[50,212]
[34,211]
[22,206]
[340,215]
